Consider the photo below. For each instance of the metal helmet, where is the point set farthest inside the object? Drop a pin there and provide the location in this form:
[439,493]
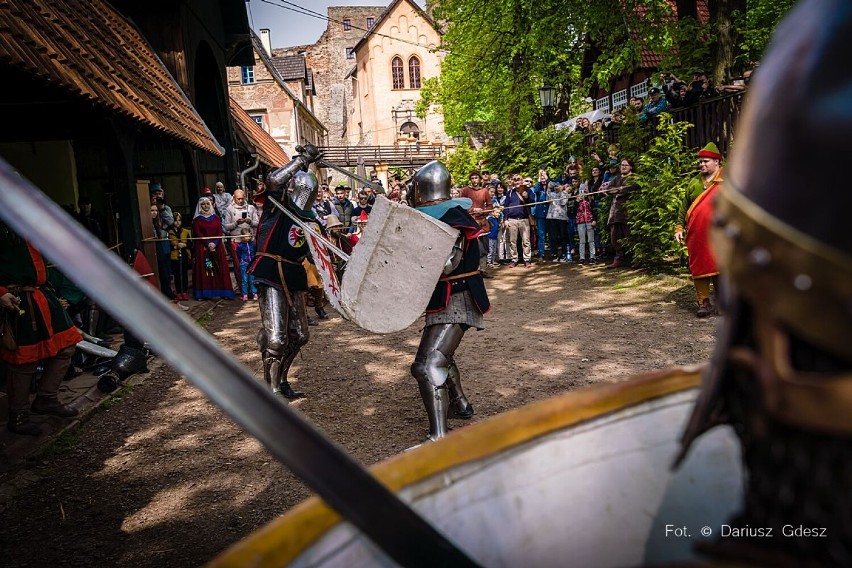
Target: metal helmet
[431,183]
[303,191]
[781,374]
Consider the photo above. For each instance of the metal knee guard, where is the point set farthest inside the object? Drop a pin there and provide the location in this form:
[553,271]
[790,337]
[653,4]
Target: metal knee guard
[434,355]
[436,401]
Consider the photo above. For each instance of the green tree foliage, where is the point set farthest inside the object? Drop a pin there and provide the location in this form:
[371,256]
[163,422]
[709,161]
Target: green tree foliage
[501,51]
[462,161]
[757,24]
[662,174]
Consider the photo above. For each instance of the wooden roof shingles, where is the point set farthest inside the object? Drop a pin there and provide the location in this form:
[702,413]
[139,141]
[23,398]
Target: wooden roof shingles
[290,67]
[89,49]
[263,144]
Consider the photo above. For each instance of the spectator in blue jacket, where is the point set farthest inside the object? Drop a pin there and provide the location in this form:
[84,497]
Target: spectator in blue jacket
[655,106]
[539,211]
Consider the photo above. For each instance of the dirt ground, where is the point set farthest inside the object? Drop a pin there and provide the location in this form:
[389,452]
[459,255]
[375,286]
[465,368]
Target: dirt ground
[164,478]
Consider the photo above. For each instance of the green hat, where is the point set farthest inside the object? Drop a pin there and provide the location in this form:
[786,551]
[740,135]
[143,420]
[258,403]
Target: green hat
[710,151]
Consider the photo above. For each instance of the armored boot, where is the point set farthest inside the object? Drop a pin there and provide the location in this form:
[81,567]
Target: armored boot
[273,371]
[436,401]
[460,406]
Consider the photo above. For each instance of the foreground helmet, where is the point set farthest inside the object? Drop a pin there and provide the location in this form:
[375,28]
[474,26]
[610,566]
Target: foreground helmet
[431,183]
[782,371]
[303,191]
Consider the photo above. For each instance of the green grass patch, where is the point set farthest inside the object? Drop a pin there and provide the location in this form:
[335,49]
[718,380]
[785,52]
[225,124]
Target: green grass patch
[125,390]
[635,281]
[63,444]
[204,319]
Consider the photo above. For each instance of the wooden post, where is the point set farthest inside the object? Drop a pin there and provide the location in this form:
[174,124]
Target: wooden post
[149,248]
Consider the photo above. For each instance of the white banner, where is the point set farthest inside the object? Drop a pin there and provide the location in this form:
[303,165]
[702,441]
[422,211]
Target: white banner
[322,259]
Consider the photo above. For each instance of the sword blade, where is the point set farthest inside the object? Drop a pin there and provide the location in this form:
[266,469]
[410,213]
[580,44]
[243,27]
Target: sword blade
[346,486]
[307,228]
[338,169]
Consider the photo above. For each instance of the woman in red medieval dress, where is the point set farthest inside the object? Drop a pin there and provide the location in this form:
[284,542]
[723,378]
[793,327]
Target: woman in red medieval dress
[211,277]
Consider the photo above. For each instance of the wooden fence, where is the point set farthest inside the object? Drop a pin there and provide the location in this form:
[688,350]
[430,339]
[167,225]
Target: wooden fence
[714,120]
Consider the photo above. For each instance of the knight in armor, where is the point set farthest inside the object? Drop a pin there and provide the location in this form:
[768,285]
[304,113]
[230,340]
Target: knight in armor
[457,304]
[782,371]
[278,270]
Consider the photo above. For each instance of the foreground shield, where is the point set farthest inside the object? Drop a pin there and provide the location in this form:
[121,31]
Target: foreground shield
[393,269]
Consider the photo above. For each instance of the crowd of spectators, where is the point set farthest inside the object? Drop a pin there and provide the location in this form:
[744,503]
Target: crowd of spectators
[201,247]
[577,215]
[670,93]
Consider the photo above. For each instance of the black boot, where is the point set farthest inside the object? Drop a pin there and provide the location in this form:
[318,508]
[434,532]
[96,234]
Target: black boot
[321,314]
[52,406]
[19,423]
[289,392]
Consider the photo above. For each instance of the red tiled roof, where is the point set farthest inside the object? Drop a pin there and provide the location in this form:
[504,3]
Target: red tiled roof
[650,59]
[88,48]
[256,138]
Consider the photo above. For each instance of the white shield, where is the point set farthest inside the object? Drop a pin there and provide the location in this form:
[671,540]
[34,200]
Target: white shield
[394,267]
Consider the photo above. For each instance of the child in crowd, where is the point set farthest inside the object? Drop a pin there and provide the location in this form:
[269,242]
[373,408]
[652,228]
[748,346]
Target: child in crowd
[495,218]
[246,253]
[180,256]
[586,225]
[557,222]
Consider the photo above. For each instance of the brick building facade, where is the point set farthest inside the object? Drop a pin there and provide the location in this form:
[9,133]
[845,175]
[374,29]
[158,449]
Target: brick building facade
[282,107]
[329,61]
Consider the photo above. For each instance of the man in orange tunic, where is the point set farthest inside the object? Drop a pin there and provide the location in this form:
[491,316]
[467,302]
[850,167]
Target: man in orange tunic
[42,330]
[697,213]
[481,198]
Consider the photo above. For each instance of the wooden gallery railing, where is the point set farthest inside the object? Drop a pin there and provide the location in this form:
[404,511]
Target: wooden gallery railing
[714,120]
[414,154]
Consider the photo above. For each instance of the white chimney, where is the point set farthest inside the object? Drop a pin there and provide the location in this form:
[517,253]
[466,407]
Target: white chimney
[266,41]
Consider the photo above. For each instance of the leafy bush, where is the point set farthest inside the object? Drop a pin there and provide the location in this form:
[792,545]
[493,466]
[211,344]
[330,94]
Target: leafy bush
[662,174]
[461,161]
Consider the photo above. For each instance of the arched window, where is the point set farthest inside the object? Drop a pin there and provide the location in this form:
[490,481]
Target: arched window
[410,129]
[414,73]
[398,73]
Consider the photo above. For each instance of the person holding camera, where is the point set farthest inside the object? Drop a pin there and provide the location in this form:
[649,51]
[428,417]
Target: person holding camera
[700,88]
[239,215]
[164,212]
